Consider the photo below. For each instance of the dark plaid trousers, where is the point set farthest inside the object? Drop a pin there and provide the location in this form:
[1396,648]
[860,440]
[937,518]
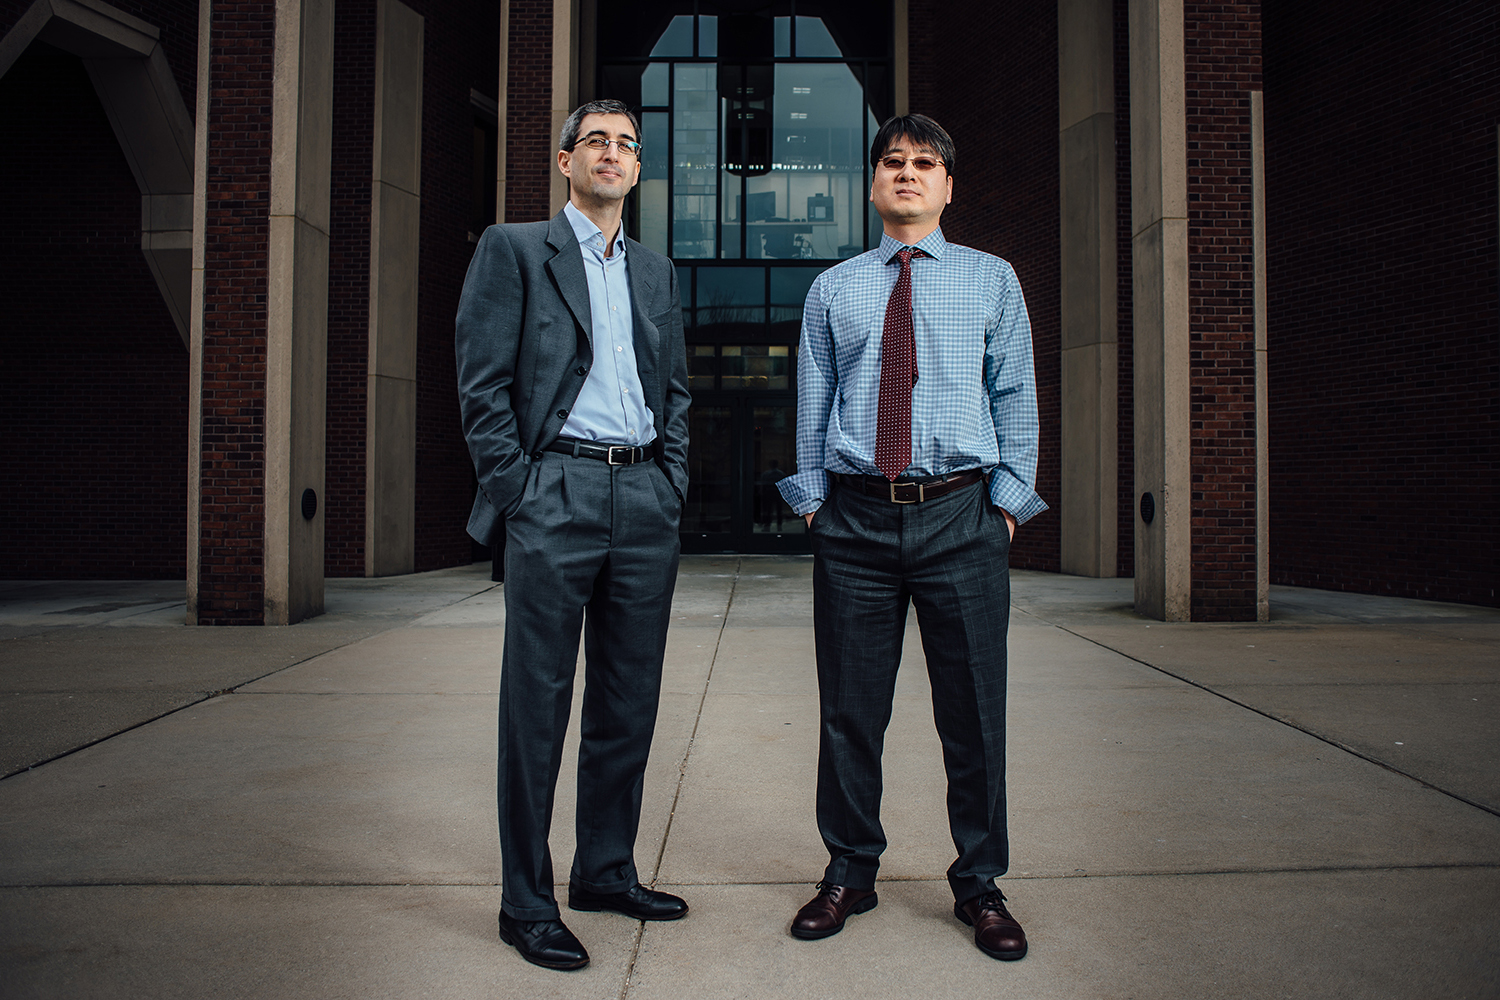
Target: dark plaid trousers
[949,557]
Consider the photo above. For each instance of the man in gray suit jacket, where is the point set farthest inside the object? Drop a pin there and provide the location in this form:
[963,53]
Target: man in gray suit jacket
[572,378]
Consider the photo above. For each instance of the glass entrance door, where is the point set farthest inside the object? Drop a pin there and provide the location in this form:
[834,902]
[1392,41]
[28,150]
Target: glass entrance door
[740,446]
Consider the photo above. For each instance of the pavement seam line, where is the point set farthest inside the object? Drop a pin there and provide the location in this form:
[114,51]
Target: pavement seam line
[661,853]
[1337,745]
[206,697]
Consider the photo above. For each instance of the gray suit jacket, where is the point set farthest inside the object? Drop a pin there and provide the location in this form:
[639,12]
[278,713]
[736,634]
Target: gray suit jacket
[524,343]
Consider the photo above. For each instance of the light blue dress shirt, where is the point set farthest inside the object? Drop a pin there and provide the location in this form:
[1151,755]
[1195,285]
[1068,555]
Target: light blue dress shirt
[611,406]
[974,404]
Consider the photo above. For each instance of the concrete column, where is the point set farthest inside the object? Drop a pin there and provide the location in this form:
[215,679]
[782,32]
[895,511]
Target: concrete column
[297,309]
[1090,364]
[395,225]
[564,85]
[1159,247]
[1262,411]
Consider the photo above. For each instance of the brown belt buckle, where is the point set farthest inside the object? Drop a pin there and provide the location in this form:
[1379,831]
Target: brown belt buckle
[921,492]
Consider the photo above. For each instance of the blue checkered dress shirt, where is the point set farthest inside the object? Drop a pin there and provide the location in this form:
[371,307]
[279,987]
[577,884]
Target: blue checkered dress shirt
[974,404]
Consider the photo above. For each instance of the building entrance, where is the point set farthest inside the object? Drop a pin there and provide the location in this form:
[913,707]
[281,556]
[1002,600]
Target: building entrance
[756,116]
[741,445]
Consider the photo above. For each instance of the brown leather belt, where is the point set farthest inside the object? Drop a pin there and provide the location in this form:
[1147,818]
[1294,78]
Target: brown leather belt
[911,491]
[614,454]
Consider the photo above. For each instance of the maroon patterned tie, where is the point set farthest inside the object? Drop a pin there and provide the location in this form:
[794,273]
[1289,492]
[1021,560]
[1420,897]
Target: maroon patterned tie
[898,373]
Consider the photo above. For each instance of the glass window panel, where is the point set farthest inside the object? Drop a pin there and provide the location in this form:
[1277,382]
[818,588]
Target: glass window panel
[789,287]
[813,39]
[702,366]
[651,192]
[783,37]
[677,40]
[731,302]
[774,458]
[707,508]
[695,168]
[755,367]
[708,35]
[654,85]
[739,287]
[809,207]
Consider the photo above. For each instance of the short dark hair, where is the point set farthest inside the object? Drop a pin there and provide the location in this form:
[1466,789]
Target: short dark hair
[920,131]
[568,138]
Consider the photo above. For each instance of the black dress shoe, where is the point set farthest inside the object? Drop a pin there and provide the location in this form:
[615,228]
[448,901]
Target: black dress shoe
[637,901]
[544,942]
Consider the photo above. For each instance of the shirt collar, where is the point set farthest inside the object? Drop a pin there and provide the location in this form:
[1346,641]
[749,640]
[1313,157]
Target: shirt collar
[932,244]
[590,234]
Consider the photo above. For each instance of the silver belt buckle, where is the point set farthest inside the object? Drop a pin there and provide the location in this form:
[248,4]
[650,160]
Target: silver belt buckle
[627,449]
[921,492]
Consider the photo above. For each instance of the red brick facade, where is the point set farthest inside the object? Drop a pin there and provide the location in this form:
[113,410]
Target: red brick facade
[530,147]
[349,286]
[1384,350]
[1383,296]
[231,537]
[1222,51]
[93,477]
[1005,190]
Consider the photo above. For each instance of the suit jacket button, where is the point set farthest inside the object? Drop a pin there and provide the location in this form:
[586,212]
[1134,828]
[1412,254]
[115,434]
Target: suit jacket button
[536,456]
[582,370]
[562,414]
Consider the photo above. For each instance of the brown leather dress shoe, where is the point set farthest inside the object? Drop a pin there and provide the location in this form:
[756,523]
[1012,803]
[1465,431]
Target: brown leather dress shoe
[826,913]
[996,932]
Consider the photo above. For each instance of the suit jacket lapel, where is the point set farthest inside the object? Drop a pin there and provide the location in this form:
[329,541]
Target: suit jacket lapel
[567,271]
[647,337]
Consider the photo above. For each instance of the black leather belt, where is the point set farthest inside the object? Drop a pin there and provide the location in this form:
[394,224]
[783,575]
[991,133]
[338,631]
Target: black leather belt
[911,491]
[614,454]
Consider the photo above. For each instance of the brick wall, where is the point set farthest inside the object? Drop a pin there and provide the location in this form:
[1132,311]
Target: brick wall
[231,538]
[1384,351]
[461,53]
[349,286]
[1124,302]
[1222,49]
[988,75]
[530,146]
[92,458]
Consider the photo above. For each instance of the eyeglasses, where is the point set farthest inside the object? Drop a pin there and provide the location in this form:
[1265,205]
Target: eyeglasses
[625,146]
[921,163]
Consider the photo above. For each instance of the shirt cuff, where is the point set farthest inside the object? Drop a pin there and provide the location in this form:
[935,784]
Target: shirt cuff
[1010,494]
[804,491]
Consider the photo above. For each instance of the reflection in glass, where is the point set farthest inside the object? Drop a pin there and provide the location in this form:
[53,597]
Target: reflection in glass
[708,35]
[774,459]
[695,127]
[706,510]
[813,39]
[701,366]
[755,366]
[651,192]
[809,205]
[654,89]
[677,40]
[789,287]
[731,301]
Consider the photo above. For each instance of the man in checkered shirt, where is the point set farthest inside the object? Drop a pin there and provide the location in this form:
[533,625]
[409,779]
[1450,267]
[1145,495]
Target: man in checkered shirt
[916,460]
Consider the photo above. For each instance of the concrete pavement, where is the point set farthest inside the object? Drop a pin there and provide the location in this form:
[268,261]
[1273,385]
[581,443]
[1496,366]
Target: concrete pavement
[1303,808]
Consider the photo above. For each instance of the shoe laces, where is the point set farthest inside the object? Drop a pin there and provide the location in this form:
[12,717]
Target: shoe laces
[993,900]
[828,889]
